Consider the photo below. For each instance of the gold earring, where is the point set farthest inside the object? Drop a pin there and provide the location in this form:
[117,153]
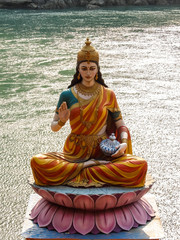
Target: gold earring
[96,77]
[79,76]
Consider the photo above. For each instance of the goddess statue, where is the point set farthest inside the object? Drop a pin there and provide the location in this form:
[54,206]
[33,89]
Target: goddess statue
[93,112]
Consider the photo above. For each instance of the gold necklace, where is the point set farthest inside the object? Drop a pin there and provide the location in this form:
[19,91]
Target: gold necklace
[88,91]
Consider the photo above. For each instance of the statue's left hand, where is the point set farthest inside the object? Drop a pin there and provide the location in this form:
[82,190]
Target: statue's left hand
[120,150]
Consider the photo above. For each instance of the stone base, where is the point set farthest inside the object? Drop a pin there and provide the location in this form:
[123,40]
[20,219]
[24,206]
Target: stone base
[151,230]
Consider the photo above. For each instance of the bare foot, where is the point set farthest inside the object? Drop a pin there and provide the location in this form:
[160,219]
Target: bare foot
[94,162]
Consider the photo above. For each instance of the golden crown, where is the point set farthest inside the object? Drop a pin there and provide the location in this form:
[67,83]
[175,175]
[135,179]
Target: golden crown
[88,53]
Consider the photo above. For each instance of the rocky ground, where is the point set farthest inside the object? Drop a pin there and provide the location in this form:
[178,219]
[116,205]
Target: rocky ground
[88,4]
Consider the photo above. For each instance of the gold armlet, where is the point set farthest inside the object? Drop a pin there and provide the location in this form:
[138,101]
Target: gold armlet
[60,123]
[124,140]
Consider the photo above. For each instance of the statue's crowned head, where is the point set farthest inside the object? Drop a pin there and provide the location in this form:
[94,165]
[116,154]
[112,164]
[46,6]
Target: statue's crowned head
[88,53]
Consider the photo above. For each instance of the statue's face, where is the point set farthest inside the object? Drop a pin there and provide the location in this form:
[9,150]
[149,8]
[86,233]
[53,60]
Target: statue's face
[88,71]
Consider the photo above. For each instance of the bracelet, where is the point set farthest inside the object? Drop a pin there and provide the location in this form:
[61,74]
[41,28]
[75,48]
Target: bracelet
[124,140]
[60,123]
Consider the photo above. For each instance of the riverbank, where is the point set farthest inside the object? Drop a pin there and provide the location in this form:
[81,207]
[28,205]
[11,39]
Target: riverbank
[88,4]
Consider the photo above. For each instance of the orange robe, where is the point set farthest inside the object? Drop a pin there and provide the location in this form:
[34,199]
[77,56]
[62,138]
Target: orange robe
[87,118]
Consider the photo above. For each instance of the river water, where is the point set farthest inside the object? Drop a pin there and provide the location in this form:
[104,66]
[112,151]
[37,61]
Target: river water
[140,60]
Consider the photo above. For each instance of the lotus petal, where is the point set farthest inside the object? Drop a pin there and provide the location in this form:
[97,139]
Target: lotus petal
[45,194]
[35,189]
[147,206]
[62,219]
[63,200]
[138,212]
[124,218]
[105,202]
[35,220]
[105,221]
[46,215]
[38,207]
[142,193]
[117,195]
[83,221]
[126,198]
[83,202]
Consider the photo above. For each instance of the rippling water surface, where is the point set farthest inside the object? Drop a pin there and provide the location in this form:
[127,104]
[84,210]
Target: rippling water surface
[139,58]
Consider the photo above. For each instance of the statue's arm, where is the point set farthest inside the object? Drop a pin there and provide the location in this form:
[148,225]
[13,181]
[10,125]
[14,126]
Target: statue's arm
[122,137]
[123,134]
[54,124]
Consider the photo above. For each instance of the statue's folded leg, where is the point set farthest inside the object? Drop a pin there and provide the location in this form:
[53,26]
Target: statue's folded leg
[126,171]
[51,169]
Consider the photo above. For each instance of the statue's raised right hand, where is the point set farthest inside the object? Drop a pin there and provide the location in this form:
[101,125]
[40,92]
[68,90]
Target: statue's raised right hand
[64,112]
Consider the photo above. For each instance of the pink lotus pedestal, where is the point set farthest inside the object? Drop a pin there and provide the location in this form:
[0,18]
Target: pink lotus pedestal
[96,213]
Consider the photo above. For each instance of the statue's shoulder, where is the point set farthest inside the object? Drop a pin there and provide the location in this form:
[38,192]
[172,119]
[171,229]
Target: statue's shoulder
[66,93]
[109,91]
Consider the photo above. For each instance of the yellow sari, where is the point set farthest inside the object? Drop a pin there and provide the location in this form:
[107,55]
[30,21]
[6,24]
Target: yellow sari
[87,119]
